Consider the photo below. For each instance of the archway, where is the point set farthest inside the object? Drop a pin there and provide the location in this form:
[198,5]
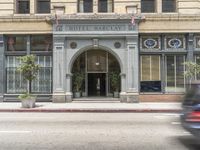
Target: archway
[96,73]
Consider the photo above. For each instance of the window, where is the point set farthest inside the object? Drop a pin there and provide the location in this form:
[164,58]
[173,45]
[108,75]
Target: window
[148,6]
[168,5]
[23,6]
[15,81]
[43,81]
[43,6]
[16,43]
[150,73]
[105,6]
[175,42]
[41,43]
[85,6]
[150,43]
[175,73]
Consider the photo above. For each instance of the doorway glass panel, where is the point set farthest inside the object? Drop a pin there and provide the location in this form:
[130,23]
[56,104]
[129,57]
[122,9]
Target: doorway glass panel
[175,79]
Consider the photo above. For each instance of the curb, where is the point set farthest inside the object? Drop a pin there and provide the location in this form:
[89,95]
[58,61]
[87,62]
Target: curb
[93,110]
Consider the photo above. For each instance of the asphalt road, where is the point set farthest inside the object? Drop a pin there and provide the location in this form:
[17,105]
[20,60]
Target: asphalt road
[93,131]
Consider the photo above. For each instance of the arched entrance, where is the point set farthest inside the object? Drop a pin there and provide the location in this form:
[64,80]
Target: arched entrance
[95,73]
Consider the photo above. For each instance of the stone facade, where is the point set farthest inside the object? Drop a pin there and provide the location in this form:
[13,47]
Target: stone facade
[101,30]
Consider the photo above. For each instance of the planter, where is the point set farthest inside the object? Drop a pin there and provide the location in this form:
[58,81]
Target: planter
[28,103]
[83,94]
[116,94]
[77,94]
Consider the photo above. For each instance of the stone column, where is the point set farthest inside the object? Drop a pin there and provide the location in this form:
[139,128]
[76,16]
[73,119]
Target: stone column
[132,78]
[123,97]
[2,82]
[68,93]
[58,70]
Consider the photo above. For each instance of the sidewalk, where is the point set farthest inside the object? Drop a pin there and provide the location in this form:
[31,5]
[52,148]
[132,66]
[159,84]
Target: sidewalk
[96,106]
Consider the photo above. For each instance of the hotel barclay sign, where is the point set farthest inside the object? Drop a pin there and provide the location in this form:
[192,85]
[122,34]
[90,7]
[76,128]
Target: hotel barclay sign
[94,27]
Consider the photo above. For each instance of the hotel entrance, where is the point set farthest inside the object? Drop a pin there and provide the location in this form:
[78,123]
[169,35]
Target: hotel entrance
[96,84]
[92,74]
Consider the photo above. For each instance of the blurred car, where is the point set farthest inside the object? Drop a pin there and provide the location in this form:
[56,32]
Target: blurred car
[190,117]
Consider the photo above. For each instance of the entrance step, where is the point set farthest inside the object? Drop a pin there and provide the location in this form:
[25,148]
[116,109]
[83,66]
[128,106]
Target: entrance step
[96,99]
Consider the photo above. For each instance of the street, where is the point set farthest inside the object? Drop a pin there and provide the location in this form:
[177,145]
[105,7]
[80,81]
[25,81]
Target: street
[94,131]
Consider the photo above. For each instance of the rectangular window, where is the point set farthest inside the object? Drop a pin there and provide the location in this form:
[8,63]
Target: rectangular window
[148,6]
[16,43]
[85,6]
[168,5]
[43,6]
[150,73]
[105,6]
[15,81]
[41,43]
[43,82]
[175,80]
[23,6]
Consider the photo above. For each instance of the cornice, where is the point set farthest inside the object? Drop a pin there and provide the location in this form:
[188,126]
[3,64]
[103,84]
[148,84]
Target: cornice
[108,16]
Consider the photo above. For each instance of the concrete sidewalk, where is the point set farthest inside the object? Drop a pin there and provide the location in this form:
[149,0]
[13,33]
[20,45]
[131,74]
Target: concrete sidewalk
[96,106]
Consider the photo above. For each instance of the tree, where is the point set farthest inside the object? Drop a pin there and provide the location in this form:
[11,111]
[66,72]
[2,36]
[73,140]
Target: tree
[29,70]
[192,69]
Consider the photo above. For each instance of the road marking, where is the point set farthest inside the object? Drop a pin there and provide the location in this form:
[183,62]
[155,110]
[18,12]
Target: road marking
[175,123]
[17,131]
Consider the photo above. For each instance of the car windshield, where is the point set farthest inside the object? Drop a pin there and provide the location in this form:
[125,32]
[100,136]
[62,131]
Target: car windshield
[192,96]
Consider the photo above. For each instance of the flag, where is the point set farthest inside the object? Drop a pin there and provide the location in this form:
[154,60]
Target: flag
[56,19]
[133,20]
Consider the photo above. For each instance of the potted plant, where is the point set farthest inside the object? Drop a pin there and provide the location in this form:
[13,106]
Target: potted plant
[29,70]
[78,78]
[115,82]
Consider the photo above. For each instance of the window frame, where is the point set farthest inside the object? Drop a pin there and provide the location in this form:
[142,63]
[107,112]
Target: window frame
[107,11]
[37,8]
[169,11]
[142,5]
[17,9]
[78,7]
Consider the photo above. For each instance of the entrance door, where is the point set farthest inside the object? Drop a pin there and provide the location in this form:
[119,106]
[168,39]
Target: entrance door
[96,84]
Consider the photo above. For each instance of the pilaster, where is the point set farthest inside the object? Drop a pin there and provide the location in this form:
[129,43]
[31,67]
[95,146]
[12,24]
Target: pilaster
[1,68]
[132,70]
[68,93]
[58,70]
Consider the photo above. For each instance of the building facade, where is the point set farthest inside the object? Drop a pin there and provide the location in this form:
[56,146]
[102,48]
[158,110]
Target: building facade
[144,43]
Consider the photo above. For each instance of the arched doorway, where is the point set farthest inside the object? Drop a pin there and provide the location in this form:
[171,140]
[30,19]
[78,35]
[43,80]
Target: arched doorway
[96,73]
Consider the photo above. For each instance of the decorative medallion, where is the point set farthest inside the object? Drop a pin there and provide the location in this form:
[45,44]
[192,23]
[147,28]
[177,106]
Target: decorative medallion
[73,45]
[174,43]
[117,44]
[150,43]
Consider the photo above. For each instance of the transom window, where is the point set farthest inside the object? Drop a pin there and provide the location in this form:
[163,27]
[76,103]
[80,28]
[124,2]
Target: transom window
[148,6]
[23,6]
[168,5]
[43,6]
[41,43]
[16,43]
